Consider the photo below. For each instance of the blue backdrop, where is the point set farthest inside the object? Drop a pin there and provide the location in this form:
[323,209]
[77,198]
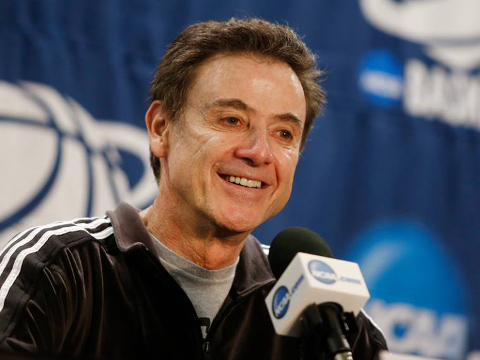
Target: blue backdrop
[390,176]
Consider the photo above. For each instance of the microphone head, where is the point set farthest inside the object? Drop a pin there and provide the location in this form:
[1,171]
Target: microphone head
[289,242]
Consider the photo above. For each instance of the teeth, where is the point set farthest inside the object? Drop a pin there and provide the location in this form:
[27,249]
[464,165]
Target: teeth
[244,182]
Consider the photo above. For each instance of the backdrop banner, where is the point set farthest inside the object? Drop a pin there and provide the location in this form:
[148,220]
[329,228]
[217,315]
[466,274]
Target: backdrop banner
[390,176]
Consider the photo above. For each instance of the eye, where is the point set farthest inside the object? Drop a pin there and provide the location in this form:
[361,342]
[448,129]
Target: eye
[231,120]
[285,134]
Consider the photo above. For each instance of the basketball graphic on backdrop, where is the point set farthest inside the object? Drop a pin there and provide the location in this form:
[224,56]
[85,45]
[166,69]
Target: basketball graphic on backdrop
[60,163]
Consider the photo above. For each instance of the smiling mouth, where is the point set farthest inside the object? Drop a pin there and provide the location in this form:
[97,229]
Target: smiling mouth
[256,184]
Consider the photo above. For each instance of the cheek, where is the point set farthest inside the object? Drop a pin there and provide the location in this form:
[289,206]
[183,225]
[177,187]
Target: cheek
[201,153]
[287,166]
[215,146]
[187,146]
[285,172]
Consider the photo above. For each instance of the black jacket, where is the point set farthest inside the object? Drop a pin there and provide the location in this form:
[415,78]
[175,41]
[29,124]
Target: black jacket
[95,289]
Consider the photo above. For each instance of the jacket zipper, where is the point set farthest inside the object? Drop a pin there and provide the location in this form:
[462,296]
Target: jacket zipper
[205,347]
[233,302]
[207,342]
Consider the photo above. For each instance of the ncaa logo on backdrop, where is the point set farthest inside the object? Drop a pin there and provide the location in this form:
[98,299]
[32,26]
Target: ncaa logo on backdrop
[418,296]
[60,163]
[381,78]
[442,83]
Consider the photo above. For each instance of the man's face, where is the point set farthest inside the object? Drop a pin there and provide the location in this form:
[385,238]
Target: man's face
[242,122]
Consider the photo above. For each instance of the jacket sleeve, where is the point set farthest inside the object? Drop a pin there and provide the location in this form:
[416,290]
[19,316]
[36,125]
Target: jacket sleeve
[369,341]
[41,306]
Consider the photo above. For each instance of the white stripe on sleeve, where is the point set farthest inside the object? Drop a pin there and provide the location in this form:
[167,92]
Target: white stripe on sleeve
[12,276]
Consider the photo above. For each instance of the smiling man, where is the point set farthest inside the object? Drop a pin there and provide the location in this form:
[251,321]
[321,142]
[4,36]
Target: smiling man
[227,162]
[231,106]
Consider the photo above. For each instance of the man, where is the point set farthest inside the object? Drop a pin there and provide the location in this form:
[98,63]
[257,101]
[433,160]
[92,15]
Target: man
[231,106]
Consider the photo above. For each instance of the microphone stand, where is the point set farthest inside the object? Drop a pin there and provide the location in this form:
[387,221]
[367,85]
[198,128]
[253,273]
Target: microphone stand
[326,326]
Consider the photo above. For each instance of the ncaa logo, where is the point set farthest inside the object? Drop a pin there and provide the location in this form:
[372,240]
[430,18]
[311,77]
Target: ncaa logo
[381,78]
[447,28]
[418,295]
[322,272]
[280,302]
[446,31]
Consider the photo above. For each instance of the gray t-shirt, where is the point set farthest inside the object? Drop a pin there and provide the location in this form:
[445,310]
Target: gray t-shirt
[206,289]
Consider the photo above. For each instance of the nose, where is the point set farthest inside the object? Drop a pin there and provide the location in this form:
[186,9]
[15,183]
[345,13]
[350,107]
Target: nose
[255,148]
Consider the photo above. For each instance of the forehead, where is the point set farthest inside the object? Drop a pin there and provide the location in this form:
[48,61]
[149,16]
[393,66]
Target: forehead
[266,85]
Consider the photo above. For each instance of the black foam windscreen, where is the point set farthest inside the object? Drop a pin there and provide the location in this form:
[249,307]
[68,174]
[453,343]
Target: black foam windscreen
[289,242]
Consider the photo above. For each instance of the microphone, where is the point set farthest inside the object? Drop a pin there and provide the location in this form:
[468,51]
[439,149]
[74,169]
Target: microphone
[314,292]
[289,242]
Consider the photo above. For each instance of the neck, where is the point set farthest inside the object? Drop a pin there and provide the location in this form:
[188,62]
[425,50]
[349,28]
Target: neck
[204,244]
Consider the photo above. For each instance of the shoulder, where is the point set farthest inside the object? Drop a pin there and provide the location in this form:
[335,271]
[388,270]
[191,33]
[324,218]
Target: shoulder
[254,250]
[32,250]
[375,335]
[38,251]
[253,271]
[265,249]
[44,241]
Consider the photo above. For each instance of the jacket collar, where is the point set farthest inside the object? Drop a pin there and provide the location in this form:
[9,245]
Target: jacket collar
[253,269]
[130,233]
[129,230]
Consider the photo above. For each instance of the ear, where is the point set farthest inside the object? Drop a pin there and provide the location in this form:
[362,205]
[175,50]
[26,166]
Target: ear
[158,125]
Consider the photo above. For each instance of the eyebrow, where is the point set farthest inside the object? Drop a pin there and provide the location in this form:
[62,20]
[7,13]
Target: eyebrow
[240,105]
[234,103]
[289,117]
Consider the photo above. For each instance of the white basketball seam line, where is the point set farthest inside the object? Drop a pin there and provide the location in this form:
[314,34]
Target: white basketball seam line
[12,276]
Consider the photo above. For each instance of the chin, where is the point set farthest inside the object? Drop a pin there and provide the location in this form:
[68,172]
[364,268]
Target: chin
[240,224]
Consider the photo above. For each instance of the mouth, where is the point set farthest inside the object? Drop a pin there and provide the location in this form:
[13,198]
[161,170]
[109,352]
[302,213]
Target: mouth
[249,183]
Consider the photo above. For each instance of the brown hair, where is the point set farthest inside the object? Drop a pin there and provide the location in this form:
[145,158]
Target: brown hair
[199,42]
